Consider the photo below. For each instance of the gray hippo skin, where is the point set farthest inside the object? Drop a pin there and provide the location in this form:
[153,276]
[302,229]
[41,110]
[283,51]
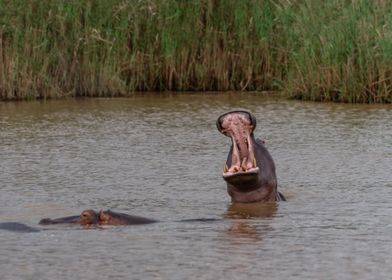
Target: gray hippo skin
[117,219]
[249,170]
[86,218]
[18,227]
[63,220]
[91,217]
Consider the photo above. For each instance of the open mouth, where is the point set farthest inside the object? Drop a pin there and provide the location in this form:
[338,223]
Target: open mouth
[239,126]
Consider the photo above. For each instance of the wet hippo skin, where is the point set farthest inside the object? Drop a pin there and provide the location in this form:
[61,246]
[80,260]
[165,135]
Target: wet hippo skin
[86,218]
[91,217]
[249,170]
[63,220]
[19,227]
[113,218]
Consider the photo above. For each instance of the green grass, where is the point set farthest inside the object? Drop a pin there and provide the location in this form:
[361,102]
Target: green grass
[312,49]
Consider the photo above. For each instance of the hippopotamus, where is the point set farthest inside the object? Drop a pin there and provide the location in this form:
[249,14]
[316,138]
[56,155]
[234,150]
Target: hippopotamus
[91,217]
[87,218]
[249,170]
[108,217]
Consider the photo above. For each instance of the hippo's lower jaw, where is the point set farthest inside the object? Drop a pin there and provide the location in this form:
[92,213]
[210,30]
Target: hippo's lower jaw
[242,179]
[251,171]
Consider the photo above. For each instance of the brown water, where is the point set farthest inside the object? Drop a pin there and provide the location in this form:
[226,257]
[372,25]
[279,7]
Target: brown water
[162,157]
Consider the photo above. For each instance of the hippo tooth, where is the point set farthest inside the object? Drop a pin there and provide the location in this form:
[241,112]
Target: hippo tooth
[225,168]
[251,153]
[243,164]
[254,162]
[236,157]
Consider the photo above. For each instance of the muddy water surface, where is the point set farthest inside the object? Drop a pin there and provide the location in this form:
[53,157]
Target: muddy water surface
[162,157]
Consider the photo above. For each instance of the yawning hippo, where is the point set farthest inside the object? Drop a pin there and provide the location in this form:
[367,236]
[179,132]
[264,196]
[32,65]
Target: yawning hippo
[249,170]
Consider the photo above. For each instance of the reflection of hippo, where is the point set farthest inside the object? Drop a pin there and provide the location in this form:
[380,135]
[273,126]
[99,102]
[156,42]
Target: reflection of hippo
[91,217]
[249,170]
[245,219]
[242,211]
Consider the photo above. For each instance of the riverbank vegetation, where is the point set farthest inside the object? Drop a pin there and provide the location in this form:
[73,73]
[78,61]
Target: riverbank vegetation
[311,49]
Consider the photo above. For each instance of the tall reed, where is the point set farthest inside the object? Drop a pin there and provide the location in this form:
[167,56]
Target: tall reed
[311,49]
[342,52]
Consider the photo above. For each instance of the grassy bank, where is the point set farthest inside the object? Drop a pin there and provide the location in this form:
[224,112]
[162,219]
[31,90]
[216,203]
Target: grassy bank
[314,50]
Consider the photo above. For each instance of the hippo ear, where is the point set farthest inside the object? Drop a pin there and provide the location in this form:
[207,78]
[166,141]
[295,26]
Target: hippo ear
[218,125]
[100,215]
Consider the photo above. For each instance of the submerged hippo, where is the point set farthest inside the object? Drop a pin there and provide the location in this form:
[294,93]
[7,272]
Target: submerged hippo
[249,170]
[87,218]
[91,217]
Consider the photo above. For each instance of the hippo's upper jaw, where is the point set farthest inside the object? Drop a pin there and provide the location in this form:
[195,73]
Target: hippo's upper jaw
[241,167]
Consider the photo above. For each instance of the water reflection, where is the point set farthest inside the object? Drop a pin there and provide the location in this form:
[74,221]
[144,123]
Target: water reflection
[244,215]
[251,210]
